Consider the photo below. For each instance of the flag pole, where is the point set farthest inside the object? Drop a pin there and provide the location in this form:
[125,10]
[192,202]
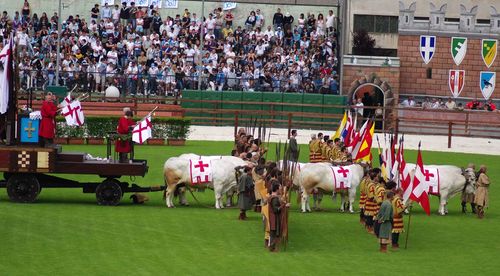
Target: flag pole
[408,228]
[151,112]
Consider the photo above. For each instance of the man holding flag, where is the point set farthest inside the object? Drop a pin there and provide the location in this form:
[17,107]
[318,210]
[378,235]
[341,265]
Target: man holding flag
[122,144]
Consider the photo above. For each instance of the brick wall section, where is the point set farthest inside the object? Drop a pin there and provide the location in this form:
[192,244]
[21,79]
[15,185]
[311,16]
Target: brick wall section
[413,69]
[388,74]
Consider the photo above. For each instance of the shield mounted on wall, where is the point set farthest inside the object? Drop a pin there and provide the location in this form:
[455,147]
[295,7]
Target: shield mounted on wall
[458,49]
[456,82]
[487,83]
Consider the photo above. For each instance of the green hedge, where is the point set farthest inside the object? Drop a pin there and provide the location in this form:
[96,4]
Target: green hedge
[171,127]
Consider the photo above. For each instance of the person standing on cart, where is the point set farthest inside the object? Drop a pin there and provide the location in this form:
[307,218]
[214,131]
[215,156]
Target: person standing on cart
[122,143]
[47,129]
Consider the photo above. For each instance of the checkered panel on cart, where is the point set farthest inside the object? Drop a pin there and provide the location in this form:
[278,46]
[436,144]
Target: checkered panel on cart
[23,159]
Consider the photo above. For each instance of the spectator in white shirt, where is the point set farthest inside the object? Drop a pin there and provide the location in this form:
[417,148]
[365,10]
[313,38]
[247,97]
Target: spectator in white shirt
[450,104]
[330,21]
[359,107]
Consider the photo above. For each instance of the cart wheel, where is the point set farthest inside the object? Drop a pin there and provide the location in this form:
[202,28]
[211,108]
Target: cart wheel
[109,192]
[23,188]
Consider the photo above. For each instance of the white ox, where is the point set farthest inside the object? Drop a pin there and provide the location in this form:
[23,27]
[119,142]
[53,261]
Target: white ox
[452,180]
[177,171]
[319,176]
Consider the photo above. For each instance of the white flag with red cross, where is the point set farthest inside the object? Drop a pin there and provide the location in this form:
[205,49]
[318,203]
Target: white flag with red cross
[66,100]
[200,170]
[142,131]
[73,113]
[420,188]
[342,177]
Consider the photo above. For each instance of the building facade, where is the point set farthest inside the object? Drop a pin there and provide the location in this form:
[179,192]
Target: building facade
[407,70]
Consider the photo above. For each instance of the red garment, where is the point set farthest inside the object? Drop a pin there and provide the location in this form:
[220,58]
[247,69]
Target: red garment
[123,128]
[48,124]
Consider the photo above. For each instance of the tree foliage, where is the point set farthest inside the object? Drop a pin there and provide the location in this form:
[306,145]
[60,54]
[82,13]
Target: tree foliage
[362,43]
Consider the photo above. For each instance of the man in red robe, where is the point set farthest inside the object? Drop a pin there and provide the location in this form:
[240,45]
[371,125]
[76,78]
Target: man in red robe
[122,144]
[47,129]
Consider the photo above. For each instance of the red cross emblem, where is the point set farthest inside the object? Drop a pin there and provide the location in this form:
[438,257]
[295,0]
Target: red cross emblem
[428,175]
[73,112]
[343,171]
[201,165]
[141,128]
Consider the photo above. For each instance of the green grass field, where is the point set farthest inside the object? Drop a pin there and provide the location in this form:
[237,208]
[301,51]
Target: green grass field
[66,233]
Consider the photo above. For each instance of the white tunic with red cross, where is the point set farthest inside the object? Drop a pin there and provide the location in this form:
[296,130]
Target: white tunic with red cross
[200,171]
[342,177]
[431,180]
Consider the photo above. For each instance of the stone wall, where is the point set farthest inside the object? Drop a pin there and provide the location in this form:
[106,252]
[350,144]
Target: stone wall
[353,73]
[414,71]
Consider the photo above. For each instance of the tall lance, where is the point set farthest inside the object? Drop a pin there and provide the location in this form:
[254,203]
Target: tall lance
[408,226]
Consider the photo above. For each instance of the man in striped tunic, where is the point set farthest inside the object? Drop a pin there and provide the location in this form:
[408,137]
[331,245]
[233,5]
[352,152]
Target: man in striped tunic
[398,224]
[370,203]
[314,149]
[379,198]
[362,198]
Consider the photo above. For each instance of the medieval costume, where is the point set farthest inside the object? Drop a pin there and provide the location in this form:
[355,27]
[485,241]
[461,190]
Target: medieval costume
[246,196]
[362,198]
[122,143]
[384,219]
[275,208]
[314,151]
[293,148]
[370,205]
[398,209]
[47,129]
[261,192]
[379,199]
[481,199]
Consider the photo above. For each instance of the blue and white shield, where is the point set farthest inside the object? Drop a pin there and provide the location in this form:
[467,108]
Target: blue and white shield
[427,47]
[487,83]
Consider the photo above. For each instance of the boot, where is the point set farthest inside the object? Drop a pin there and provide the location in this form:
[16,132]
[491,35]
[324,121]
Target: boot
[395,246]
[242,216]
[383,248]
[464,208]
[369,229]
[473,207]
[480,212]
[266,243]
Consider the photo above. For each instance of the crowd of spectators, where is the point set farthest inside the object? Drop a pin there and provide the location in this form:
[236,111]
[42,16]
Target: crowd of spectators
[140,52]
[450,104]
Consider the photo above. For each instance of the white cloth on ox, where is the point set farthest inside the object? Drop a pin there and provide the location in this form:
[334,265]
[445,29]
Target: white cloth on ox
[431,180]
[200,170]
[342,177]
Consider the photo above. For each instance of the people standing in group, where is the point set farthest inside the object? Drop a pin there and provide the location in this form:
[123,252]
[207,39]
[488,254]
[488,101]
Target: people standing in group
[482,197]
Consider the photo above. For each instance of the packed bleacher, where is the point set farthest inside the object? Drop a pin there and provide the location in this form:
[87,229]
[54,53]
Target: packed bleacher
[138,51]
